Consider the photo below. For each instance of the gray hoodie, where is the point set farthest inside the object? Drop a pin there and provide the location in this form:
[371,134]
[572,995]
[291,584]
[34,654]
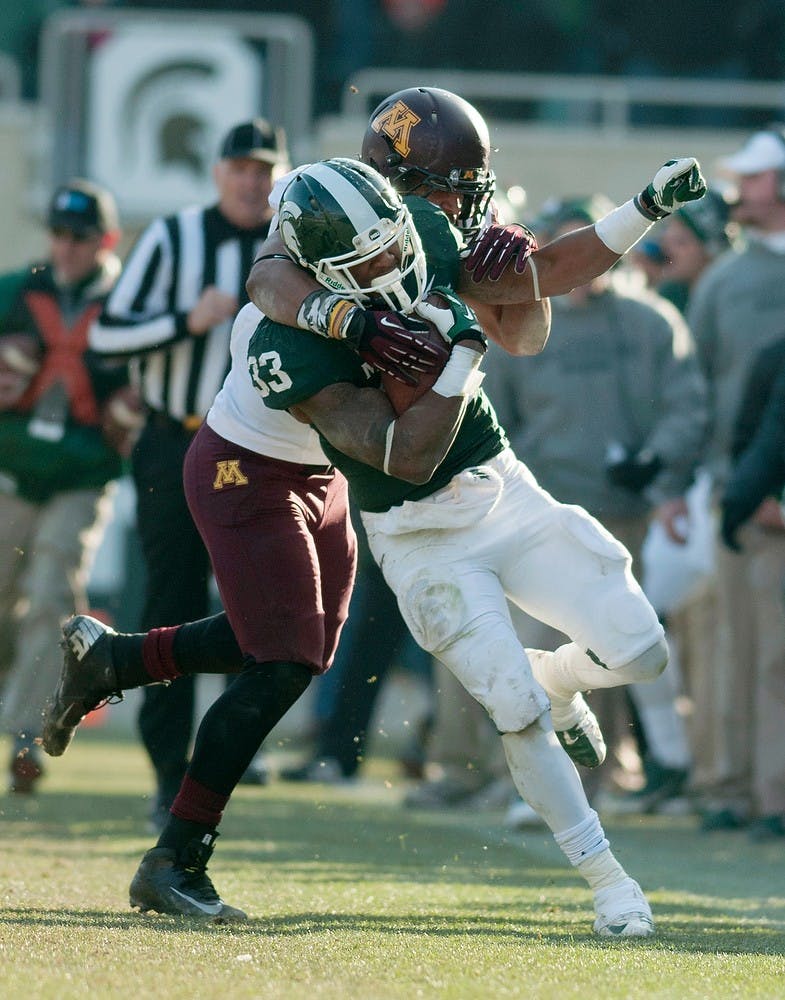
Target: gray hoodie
[617,372]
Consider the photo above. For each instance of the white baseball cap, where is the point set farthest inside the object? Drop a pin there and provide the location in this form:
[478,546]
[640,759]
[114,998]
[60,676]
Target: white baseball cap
[762,151]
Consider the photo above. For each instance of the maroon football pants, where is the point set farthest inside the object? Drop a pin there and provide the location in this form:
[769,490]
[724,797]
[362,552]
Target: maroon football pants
[282,547]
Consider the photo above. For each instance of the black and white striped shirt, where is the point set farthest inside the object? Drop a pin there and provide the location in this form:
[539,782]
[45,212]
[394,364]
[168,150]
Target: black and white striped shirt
[174,260]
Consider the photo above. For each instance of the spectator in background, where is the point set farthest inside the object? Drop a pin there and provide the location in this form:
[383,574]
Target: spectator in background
[172,309]
[736,310]
[691,239]
[611,416]
[66,422]
[680,579]
[648,261]
[751,506]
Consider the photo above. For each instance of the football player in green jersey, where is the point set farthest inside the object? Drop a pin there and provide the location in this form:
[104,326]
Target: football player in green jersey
[459,525]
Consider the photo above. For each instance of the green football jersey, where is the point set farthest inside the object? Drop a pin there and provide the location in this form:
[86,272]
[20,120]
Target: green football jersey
[441,240]
[37,469]
[288,366]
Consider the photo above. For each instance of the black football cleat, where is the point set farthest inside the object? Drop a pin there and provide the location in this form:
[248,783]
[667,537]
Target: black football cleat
[168,882]
[87,681]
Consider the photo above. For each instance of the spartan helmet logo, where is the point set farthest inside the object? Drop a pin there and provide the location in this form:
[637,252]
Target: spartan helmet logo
[397,122]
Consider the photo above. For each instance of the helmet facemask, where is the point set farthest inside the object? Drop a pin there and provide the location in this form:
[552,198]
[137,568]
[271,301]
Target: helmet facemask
[475,185]
[400,289]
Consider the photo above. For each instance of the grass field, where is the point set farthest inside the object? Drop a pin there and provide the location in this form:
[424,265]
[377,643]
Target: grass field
[351,896]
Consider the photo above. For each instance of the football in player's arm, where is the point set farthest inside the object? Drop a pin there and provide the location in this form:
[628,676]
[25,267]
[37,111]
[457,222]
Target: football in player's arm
[340,395]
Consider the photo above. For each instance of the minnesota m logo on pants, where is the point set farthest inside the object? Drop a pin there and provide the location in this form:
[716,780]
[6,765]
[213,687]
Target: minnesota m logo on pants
[228,473]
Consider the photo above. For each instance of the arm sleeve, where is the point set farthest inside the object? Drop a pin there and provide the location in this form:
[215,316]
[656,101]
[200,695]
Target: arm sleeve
[141,315]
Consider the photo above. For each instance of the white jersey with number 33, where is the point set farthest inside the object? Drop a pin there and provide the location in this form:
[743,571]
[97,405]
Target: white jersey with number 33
[239,414]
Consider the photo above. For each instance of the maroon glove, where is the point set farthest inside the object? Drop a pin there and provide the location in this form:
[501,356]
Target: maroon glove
[390,342]
[495,247]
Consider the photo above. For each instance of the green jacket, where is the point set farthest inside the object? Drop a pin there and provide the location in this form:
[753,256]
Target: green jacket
[35,464]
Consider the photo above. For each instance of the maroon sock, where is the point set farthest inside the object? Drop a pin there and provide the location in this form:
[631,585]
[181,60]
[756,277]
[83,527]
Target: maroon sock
[198,804]
[158,654]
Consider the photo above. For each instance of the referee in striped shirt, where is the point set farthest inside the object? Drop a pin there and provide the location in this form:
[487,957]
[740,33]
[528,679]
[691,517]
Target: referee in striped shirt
[171,311]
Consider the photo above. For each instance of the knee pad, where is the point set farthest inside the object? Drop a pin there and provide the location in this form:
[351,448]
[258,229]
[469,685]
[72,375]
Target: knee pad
[481,650]
[489,661]
[646,667]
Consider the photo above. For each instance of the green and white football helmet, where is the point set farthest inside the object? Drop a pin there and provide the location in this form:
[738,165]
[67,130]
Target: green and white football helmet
[338,213]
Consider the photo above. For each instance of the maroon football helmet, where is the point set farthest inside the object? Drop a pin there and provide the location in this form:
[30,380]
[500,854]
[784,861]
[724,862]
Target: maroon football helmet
[428,138]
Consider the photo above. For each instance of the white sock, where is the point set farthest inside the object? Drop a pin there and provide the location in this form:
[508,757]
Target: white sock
[602,871]
[586,848]
[568,670]
[565,672]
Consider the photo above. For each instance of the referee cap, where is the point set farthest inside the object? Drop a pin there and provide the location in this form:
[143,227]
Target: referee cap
[255,140]
[83,208]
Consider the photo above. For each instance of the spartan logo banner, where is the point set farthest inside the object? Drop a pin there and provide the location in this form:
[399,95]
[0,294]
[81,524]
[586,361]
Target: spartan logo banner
[160,100]
[397,123]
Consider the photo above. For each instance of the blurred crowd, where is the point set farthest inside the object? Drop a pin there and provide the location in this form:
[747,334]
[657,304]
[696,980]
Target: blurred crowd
[576,36]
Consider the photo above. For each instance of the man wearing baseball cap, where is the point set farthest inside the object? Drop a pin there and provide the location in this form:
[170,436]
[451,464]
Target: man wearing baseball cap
[83,209]
[59,446]
[691,239]
[181,287]
[737,309]
[763,151]
[256,140]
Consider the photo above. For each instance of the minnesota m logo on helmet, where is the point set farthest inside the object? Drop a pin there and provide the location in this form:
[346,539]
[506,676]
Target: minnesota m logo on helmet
[396,123]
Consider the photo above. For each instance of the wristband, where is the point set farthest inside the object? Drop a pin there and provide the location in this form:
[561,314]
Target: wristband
[274,256]
[341,315]
[323,312]
[621,229]
[460,376]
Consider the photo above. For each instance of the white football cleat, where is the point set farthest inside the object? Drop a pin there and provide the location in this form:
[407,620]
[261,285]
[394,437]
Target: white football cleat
[622,911]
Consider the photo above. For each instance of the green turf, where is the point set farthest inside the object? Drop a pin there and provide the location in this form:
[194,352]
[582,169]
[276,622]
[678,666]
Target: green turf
[352,896]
